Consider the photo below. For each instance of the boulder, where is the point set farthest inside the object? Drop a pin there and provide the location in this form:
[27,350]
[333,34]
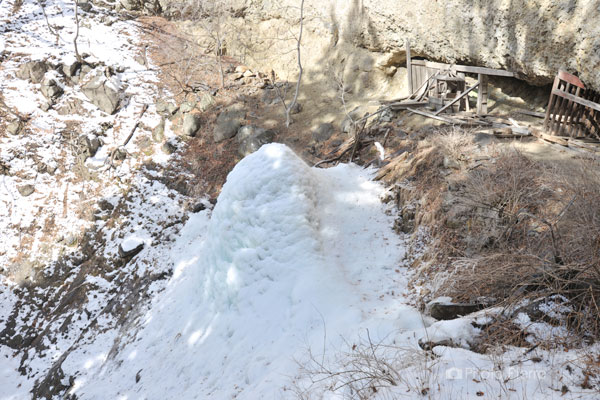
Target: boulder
[103,93]
[88,145]
[85,5]
[131,5]
[296,109]
[51,90]
[130,247]
[72,105]
[26,190]
[171,145]
[205,102]
[354,115]
[187,106]
[228,122]
[191,124]
[255,140]
[32,70]
[158,133]
[14,127]
[45,106]
[70,68]
[166,108]
[323,132]
[448,311]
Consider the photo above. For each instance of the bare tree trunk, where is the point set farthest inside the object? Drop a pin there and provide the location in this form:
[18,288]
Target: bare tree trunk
[289,108]
[220,59]
[77,32]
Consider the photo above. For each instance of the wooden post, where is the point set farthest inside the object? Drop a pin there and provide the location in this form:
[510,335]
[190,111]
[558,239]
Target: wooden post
[409,67]
[482,94]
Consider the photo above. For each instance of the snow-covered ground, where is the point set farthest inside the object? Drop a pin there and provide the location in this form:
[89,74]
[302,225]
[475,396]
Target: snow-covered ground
[293,280]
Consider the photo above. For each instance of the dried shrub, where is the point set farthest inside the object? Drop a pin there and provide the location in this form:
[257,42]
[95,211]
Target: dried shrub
[511,229]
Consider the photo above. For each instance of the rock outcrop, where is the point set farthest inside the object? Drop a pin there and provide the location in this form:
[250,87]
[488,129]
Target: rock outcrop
[534,38]
[103,92]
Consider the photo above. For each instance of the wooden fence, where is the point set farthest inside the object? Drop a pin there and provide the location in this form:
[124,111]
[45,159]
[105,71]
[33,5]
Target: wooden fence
[572,110]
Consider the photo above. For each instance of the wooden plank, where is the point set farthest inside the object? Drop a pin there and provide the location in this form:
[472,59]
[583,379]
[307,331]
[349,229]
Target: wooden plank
[457,99]
[482,95]
[409,67]
[465,68]
[531,113]
[554,139]
[578,100]
[570,78]
[437,117]
[594,147]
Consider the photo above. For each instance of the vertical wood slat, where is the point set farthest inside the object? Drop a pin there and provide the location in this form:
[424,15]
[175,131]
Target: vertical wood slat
[585,115]
[555,127]
[409,68]
[482,94]
[595,118]
[464,103]
[572,114]
[568,120]
[551,103]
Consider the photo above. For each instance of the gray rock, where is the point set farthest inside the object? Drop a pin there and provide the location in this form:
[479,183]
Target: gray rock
[103,93]
[130,253]
[245,132]
[33,70]
[323,132]
[443,311]
[270,97]
[51,90]
[105,205]
[120,154]
[451,163]
[131,5]
[158,133]
[72,105]
[172,109]
[70,69]
[4,169]
[254,142]
[296,109]
[85,69]
[354,115]
[228,122]
[26,190]
[46,105]
[206,102]
[191,124]
[171,145]
[85,5]
[187,106]
[14,127]
[88,145]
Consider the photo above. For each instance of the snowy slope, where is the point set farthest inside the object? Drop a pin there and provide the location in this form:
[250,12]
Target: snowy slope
[288,252]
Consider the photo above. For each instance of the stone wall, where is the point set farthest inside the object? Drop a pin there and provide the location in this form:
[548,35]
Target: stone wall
[533,38]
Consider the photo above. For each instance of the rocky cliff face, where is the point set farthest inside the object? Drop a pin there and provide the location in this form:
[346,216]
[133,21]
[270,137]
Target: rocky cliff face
[534,38]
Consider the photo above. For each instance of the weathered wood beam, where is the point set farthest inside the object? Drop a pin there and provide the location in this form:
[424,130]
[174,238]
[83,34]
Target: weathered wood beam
[465,68]
[578,100]
[409,67]
[482,95]
[456,99]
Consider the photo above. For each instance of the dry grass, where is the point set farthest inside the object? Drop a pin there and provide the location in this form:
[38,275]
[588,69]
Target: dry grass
[510,229]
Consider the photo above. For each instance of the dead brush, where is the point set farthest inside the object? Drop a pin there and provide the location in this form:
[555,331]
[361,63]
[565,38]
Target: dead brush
[532,230]
[366,369]
[512,229]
